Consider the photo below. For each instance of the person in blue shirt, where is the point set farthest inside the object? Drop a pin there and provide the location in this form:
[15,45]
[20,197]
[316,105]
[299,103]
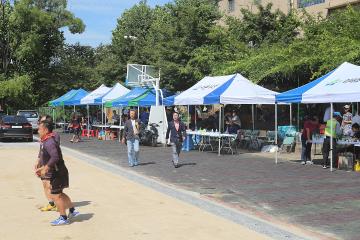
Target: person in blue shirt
[144,116]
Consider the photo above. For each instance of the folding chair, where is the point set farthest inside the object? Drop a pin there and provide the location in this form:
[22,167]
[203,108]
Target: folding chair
[288,144]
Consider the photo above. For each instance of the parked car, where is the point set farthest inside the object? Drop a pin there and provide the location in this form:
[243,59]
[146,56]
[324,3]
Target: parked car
[15,127]
[32,116]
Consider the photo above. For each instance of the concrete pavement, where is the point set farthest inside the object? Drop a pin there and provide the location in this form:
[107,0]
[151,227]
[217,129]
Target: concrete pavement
[308,197]
[111,206]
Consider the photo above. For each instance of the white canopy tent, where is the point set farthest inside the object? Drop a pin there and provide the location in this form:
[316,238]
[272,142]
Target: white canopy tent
[97,93]
[91,99]
[243,91]
[339,85]
[206,91]
[117,91]
[229,89]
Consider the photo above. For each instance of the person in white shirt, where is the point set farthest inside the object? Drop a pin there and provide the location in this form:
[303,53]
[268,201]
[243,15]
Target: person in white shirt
[327,114]
[356,119]
[347,121]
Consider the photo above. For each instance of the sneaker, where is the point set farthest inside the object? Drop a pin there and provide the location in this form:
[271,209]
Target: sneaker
[303,163]
[309,162]
[48,208]
[324,167]
[73,214]
[60,221]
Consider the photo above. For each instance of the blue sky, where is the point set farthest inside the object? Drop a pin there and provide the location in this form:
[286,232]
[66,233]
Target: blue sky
[100,17]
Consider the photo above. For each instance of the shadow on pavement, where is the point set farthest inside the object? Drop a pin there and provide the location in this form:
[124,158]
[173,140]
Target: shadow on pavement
[146,163]
[82,203]
[83,217]
[187,164]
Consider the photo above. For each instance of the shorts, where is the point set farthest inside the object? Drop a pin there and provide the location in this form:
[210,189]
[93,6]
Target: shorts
[77,131]
[59,180]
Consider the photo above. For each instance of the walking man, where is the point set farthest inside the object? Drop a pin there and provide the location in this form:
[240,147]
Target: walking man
[131,138]
[52,167]
[45,180]
[177,131]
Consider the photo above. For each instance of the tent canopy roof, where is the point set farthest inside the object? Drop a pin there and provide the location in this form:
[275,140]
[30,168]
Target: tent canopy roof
[75,99]
[339,85]
[97,93]
[243,91]
[116,91]
[229,89]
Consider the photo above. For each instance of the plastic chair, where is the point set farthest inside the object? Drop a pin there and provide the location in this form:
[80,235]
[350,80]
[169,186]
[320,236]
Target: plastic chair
[84,132]
[288,144]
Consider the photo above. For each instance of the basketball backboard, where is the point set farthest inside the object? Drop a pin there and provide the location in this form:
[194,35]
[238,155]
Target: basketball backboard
[141,75]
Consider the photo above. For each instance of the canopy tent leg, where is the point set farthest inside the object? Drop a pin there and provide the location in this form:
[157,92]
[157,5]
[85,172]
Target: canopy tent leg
[298,116]
[74,109]
[102,114]
[88,120]
[105,119]
[195,117]
[64,118]
[53,116]
[120,122]
[276,134]
[290,114]
[188,117]
[253,118]
[331,137]
[138,112]
[219,150]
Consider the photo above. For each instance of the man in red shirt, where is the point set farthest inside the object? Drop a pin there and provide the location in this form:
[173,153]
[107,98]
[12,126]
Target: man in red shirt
[310,125]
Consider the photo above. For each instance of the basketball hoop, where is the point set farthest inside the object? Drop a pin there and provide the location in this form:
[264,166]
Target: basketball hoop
[143,76]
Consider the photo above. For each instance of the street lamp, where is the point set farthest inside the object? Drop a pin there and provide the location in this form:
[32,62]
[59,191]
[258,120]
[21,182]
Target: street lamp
[130,37]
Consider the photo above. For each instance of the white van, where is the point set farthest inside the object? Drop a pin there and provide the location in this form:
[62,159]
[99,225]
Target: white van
[32,116]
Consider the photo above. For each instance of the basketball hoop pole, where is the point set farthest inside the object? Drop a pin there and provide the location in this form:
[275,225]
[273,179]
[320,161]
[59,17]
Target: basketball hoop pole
[157,88]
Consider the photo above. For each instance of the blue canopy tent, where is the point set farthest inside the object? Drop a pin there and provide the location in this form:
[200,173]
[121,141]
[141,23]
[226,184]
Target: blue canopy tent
[169,101]
[68,99]
[76,97]
[124,100]
[148,99]
[60,101]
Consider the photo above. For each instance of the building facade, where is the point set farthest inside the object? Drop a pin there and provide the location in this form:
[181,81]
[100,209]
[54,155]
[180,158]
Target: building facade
[315,7]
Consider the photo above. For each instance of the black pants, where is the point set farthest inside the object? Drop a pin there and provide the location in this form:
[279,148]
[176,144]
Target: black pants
[306,150]
[326,151]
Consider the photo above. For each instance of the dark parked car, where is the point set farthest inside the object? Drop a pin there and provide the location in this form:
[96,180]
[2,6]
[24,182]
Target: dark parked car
[15,127]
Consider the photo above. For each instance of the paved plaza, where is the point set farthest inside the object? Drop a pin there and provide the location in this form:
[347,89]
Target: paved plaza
[320,201]
[111,206]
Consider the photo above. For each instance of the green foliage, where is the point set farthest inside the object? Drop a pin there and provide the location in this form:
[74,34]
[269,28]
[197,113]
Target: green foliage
[325,44]
[31,39]
[266,26]
[187,39]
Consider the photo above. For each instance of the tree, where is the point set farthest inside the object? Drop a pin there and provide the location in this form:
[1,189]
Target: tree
[129,35]
[265,26]
[175,37]
[34,39]
[326,43]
